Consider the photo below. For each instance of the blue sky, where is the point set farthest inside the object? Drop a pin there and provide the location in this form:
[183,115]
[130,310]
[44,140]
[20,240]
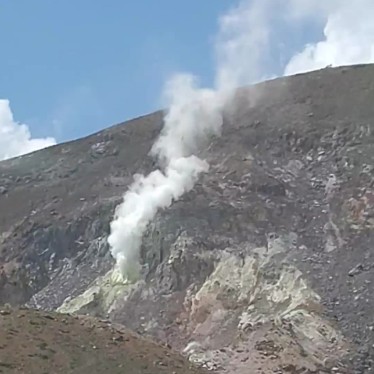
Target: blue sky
[72,68]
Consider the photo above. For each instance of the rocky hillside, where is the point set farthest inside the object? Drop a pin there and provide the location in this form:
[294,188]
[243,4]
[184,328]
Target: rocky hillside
[267,265]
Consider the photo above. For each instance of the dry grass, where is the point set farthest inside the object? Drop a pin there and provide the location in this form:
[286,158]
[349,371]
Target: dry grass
[35,342]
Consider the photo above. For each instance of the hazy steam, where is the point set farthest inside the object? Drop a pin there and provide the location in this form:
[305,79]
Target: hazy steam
[241,43]
[194,115]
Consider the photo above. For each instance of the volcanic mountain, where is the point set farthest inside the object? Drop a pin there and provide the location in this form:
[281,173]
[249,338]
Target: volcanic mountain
[266,265]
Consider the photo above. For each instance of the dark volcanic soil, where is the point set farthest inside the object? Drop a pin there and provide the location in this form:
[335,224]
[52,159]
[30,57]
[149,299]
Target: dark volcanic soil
[268,264]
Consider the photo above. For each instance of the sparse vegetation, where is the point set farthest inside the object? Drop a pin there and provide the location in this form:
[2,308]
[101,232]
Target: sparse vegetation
[81,345]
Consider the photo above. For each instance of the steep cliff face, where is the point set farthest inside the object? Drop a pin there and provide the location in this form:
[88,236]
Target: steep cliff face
[266,264]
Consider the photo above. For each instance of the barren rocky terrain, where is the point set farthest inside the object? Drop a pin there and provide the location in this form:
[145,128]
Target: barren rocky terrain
[266,266]
[35,342]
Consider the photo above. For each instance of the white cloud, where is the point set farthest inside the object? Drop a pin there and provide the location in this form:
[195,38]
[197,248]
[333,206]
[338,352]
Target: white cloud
[348,35]
[251,30]
[15,138]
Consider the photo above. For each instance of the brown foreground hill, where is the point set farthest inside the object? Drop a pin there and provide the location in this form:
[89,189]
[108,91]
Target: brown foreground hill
[266,266]
[33,342]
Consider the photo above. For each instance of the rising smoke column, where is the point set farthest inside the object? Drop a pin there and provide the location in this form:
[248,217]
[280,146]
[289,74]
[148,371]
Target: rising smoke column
[194,115]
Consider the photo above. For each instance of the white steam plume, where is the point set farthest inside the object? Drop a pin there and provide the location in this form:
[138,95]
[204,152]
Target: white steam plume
[194,115]
[15,138]
[243,47]
[190,107]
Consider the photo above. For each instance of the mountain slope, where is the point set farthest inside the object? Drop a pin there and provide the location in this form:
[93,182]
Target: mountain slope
[267,262]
